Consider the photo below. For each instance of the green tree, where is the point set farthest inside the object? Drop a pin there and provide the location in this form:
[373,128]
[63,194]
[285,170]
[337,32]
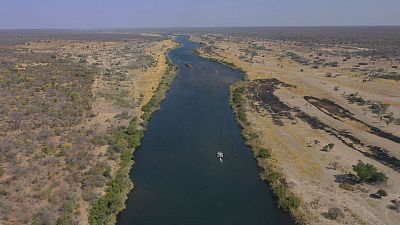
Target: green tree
[368,173]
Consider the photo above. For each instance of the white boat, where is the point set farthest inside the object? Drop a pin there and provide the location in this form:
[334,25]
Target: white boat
[220,156]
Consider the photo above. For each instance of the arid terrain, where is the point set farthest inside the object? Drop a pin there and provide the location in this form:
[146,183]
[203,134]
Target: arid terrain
[319,107]
[64,96]
[316,103]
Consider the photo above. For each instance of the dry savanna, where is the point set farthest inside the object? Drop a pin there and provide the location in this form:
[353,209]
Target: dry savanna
[321,112]
[67,100]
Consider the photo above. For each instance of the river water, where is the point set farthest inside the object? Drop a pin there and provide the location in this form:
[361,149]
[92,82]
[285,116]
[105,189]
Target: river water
[178,179]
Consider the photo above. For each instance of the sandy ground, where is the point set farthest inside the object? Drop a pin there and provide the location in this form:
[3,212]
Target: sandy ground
[308,169]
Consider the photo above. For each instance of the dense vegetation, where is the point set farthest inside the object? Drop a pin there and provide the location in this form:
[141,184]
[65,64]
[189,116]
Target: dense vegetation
[125,141]
[43,151]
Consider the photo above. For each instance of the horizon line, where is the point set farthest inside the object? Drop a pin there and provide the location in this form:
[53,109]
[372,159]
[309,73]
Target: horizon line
[191,27]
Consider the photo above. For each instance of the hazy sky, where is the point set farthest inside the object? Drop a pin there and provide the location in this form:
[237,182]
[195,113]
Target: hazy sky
[188,13]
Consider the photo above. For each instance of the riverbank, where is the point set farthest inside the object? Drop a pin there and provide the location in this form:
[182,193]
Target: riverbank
[297,134]
[128,139]
[270,170]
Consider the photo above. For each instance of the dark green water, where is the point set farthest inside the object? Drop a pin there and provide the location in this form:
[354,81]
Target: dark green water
[178,179]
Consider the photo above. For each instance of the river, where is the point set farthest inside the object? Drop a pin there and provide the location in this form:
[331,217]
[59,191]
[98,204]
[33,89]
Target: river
[178,179]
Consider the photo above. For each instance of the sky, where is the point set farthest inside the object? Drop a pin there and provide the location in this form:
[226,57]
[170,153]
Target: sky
[82,14]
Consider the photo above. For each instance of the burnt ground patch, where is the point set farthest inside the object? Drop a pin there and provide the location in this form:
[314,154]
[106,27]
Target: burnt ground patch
[336,111]
[379,154]
[262,92]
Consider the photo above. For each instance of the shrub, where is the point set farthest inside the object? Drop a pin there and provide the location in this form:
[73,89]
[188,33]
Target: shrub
[66,216]
[89,196]
[273,176]
[378,177]
[379,108]
[382,193]
[124,115]
[67,145]
[288,203]
[280,190]
[369,173]
[396,205]
[75,96]
[253,136]
[108,172]
[328,147]
[334,213]
[346,186]
[264,153]
[120,146]
[334,165]
[354,98]
[238,102]
[1,171]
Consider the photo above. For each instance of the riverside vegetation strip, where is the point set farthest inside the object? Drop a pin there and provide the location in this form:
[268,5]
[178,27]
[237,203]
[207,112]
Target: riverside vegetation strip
[271,173]
[128,139]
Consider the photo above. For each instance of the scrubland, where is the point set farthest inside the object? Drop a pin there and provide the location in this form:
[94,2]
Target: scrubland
[64,100]
[321,112]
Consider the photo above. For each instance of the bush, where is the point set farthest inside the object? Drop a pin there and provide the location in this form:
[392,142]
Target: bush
[89,196]
[238,103]
[288,203]
[379,108]
[264,153]
[328,147]
[66,216]
[369,173]
[124,115]
[354,98]
[346,186]
[108,172]
[75,96]
[120,146]
[334,213]
[382,193]
[1,171]
[396,205]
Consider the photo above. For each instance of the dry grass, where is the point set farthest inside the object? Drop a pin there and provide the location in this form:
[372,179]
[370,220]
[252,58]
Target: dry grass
[307,168]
